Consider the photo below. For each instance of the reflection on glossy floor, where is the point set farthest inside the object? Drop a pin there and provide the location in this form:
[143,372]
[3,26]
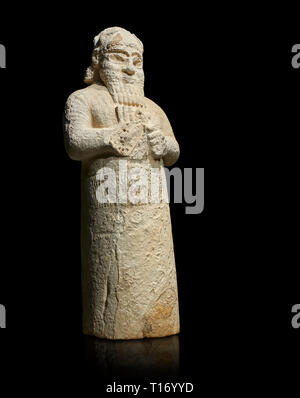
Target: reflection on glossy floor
[158,357]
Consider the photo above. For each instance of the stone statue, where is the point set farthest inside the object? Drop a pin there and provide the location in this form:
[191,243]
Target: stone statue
[129,286]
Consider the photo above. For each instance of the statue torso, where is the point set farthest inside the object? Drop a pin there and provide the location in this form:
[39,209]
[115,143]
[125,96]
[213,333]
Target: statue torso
[102,114]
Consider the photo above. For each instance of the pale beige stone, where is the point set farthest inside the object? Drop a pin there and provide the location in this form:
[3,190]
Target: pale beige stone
[129,287]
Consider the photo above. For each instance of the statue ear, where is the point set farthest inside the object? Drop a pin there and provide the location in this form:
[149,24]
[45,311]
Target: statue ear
[96,40]
[89,75]
[95,60]
[95,56]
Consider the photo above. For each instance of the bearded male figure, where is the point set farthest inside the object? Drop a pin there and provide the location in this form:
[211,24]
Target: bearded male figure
[129,286]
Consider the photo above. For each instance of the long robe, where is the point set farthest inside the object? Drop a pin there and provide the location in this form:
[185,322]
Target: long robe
[129,286]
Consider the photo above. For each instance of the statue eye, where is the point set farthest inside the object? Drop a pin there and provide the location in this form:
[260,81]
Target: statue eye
[137,62]
[116,58]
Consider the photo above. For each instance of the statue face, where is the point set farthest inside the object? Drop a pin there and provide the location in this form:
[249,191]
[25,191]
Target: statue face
[122,64]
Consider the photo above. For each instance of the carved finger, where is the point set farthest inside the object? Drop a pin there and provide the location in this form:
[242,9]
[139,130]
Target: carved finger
[153,134]
[125,99]
[130,102]
[147,115]
[121,94]
[118,113]
[155,142]
[143,117]
[114,96]
[141,101]
[120,98]
[123,114]
[156,150]
[131,113]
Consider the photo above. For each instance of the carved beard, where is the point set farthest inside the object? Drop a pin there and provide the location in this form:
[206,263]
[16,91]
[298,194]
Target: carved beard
[127,94]
[130,94]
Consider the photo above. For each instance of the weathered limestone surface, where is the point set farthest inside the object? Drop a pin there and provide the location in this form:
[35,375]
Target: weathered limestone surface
[129,286]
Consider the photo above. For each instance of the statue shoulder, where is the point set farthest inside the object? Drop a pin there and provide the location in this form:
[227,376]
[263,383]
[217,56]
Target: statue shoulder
[88,96]
[158,113]
[152,106]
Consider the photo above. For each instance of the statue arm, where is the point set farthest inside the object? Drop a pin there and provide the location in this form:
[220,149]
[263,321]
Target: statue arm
[172,150]
[82,141]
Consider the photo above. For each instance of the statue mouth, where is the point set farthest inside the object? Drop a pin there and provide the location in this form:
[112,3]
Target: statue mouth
[130,79]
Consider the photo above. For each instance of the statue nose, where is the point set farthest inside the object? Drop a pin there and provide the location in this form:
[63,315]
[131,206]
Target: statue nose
[129,70]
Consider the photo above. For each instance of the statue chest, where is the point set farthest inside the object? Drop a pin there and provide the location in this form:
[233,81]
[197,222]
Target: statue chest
[103,114]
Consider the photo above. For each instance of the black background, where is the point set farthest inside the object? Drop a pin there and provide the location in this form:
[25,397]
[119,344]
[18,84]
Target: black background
[225,80]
